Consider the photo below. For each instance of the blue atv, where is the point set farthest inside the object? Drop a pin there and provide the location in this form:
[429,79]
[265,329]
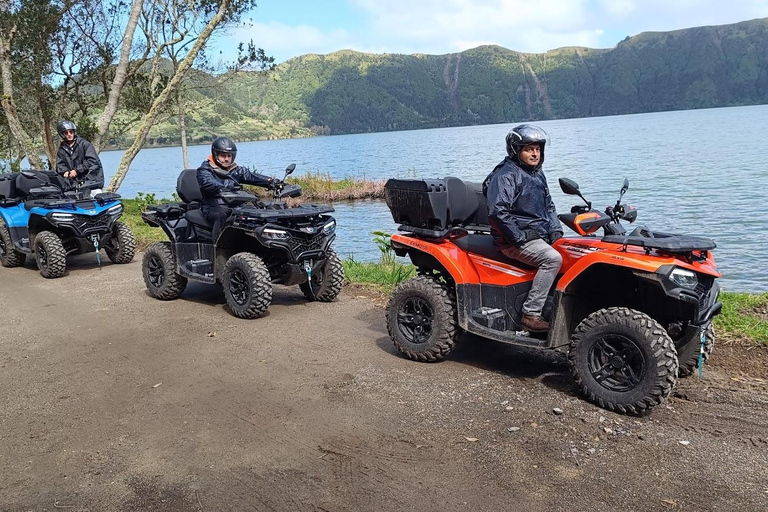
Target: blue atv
[50,217]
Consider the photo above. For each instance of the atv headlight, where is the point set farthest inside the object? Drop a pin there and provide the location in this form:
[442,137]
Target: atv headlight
[274,234]
[62,217]
[115,210]
[329,228]
[684,278]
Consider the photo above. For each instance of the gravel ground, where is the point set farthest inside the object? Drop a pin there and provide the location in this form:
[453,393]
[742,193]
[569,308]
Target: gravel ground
[111,400]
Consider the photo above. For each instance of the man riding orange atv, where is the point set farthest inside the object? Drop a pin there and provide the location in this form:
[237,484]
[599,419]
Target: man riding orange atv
[633,311]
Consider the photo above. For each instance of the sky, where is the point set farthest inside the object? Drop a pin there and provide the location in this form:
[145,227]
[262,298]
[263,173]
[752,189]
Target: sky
[289,28]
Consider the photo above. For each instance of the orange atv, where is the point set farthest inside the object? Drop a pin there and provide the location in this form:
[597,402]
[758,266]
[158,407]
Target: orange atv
[632,310]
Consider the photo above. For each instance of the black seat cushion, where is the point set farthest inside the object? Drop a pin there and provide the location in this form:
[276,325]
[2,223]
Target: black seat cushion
[8,187]
[484,246]
[187,186]
[24,184]
[466,203]
[197,217]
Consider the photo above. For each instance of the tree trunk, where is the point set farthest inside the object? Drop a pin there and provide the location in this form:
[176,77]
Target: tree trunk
[121,73]
[9,107]
[183,129]
[162,99]
[48,144]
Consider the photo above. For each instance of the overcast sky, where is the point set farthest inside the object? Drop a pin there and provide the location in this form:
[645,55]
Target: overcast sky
[288,28]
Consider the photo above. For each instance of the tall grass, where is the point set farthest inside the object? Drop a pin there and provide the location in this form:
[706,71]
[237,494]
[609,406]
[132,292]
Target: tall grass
[745,315]
[320,186]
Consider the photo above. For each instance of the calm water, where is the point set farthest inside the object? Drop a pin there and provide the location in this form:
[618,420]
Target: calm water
[698,171]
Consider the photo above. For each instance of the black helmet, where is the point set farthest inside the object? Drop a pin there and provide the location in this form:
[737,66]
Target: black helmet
[64,126]
[223,145]
[523,135]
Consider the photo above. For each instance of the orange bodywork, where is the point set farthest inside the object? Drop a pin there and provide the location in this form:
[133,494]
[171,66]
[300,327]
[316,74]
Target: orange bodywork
[578,254]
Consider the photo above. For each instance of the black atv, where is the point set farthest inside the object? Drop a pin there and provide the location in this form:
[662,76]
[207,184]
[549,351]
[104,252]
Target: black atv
[262,243]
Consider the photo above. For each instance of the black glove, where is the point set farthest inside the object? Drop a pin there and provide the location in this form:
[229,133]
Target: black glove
[528,234]
[555,236]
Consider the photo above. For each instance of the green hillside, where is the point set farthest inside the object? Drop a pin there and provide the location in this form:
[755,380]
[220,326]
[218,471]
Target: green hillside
[351,92]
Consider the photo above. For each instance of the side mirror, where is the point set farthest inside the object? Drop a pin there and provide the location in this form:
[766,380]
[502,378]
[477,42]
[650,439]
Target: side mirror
[290,169]
[570,187]
[625,186]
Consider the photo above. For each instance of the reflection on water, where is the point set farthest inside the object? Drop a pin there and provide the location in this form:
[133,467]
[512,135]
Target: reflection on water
[684,174]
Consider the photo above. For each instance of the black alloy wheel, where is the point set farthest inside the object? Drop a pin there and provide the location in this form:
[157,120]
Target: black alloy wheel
[623,360]
[616,363]
[421,318]
[159,270]
[155,271]
[414,319]
[239,287]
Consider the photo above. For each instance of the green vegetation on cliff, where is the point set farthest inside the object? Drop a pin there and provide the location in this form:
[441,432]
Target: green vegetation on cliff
[351,92]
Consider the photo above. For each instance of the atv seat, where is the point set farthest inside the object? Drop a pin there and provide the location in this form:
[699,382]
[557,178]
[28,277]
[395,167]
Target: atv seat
[484,246]
[196,217]
[187,186]
[466,203]
[8,187]
[24,185]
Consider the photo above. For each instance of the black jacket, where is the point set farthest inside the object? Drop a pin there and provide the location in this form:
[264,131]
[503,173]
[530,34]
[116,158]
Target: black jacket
[213,180]
[519,205]
[82,157]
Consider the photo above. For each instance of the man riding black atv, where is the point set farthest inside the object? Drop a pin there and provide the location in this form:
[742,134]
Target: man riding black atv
[220,233]
[220,173]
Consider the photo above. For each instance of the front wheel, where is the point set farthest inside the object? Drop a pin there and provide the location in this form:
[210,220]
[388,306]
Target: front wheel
[421,319]
[623,360]
[50,255]
[247,286]
[121,247]
[9,257]
[325,285]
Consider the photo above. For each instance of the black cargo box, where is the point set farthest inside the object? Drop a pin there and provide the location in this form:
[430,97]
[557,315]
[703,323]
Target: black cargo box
[8,186]
[418,203]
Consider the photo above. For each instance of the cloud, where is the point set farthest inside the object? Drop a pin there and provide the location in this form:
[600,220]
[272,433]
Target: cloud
[285,41]
[439,26]
[445,26]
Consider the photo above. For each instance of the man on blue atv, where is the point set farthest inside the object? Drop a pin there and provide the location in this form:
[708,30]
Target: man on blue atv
[219,174]
[77,158]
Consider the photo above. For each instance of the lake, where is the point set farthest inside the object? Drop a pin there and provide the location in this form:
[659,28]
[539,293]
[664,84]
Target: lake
[699,171]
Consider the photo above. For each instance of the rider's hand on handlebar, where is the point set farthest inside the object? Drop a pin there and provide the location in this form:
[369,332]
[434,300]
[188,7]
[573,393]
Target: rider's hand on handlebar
[70,174]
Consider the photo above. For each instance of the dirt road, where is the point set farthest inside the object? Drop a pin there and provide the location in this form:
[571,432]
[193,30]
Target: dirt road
[111,400]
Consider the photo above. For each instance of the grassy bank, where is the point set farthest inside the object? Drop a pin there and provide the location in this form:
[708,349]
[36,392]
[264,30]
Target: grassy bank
[745,315]
[318,186]
[321,187]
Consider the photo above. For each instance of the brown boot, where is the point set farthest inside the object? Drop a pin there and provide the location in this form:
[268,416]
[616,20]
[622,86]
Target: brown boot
[535,323]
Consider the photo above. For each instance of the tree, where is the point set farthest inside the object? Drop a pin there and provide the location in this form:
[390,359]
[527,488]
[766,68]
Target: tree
[26,30]
[174,26]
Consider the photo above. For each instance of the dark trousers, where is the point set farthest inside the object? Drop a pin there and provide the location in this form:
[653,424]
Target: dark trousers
[216,215]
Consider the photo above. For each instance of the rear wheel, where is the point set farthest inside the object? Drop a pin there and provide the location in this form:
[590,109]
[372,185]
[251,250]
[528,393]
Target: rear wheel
[121,247]
[623,360]
[9,257]
[50,255]
[421,319]
[159,270]
[247,285]
[325,285]
[688,352]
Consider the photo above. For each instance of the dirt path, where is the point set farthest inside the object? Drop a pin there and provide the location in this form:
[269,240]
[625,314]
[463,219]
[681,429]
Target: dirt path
[111,400]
